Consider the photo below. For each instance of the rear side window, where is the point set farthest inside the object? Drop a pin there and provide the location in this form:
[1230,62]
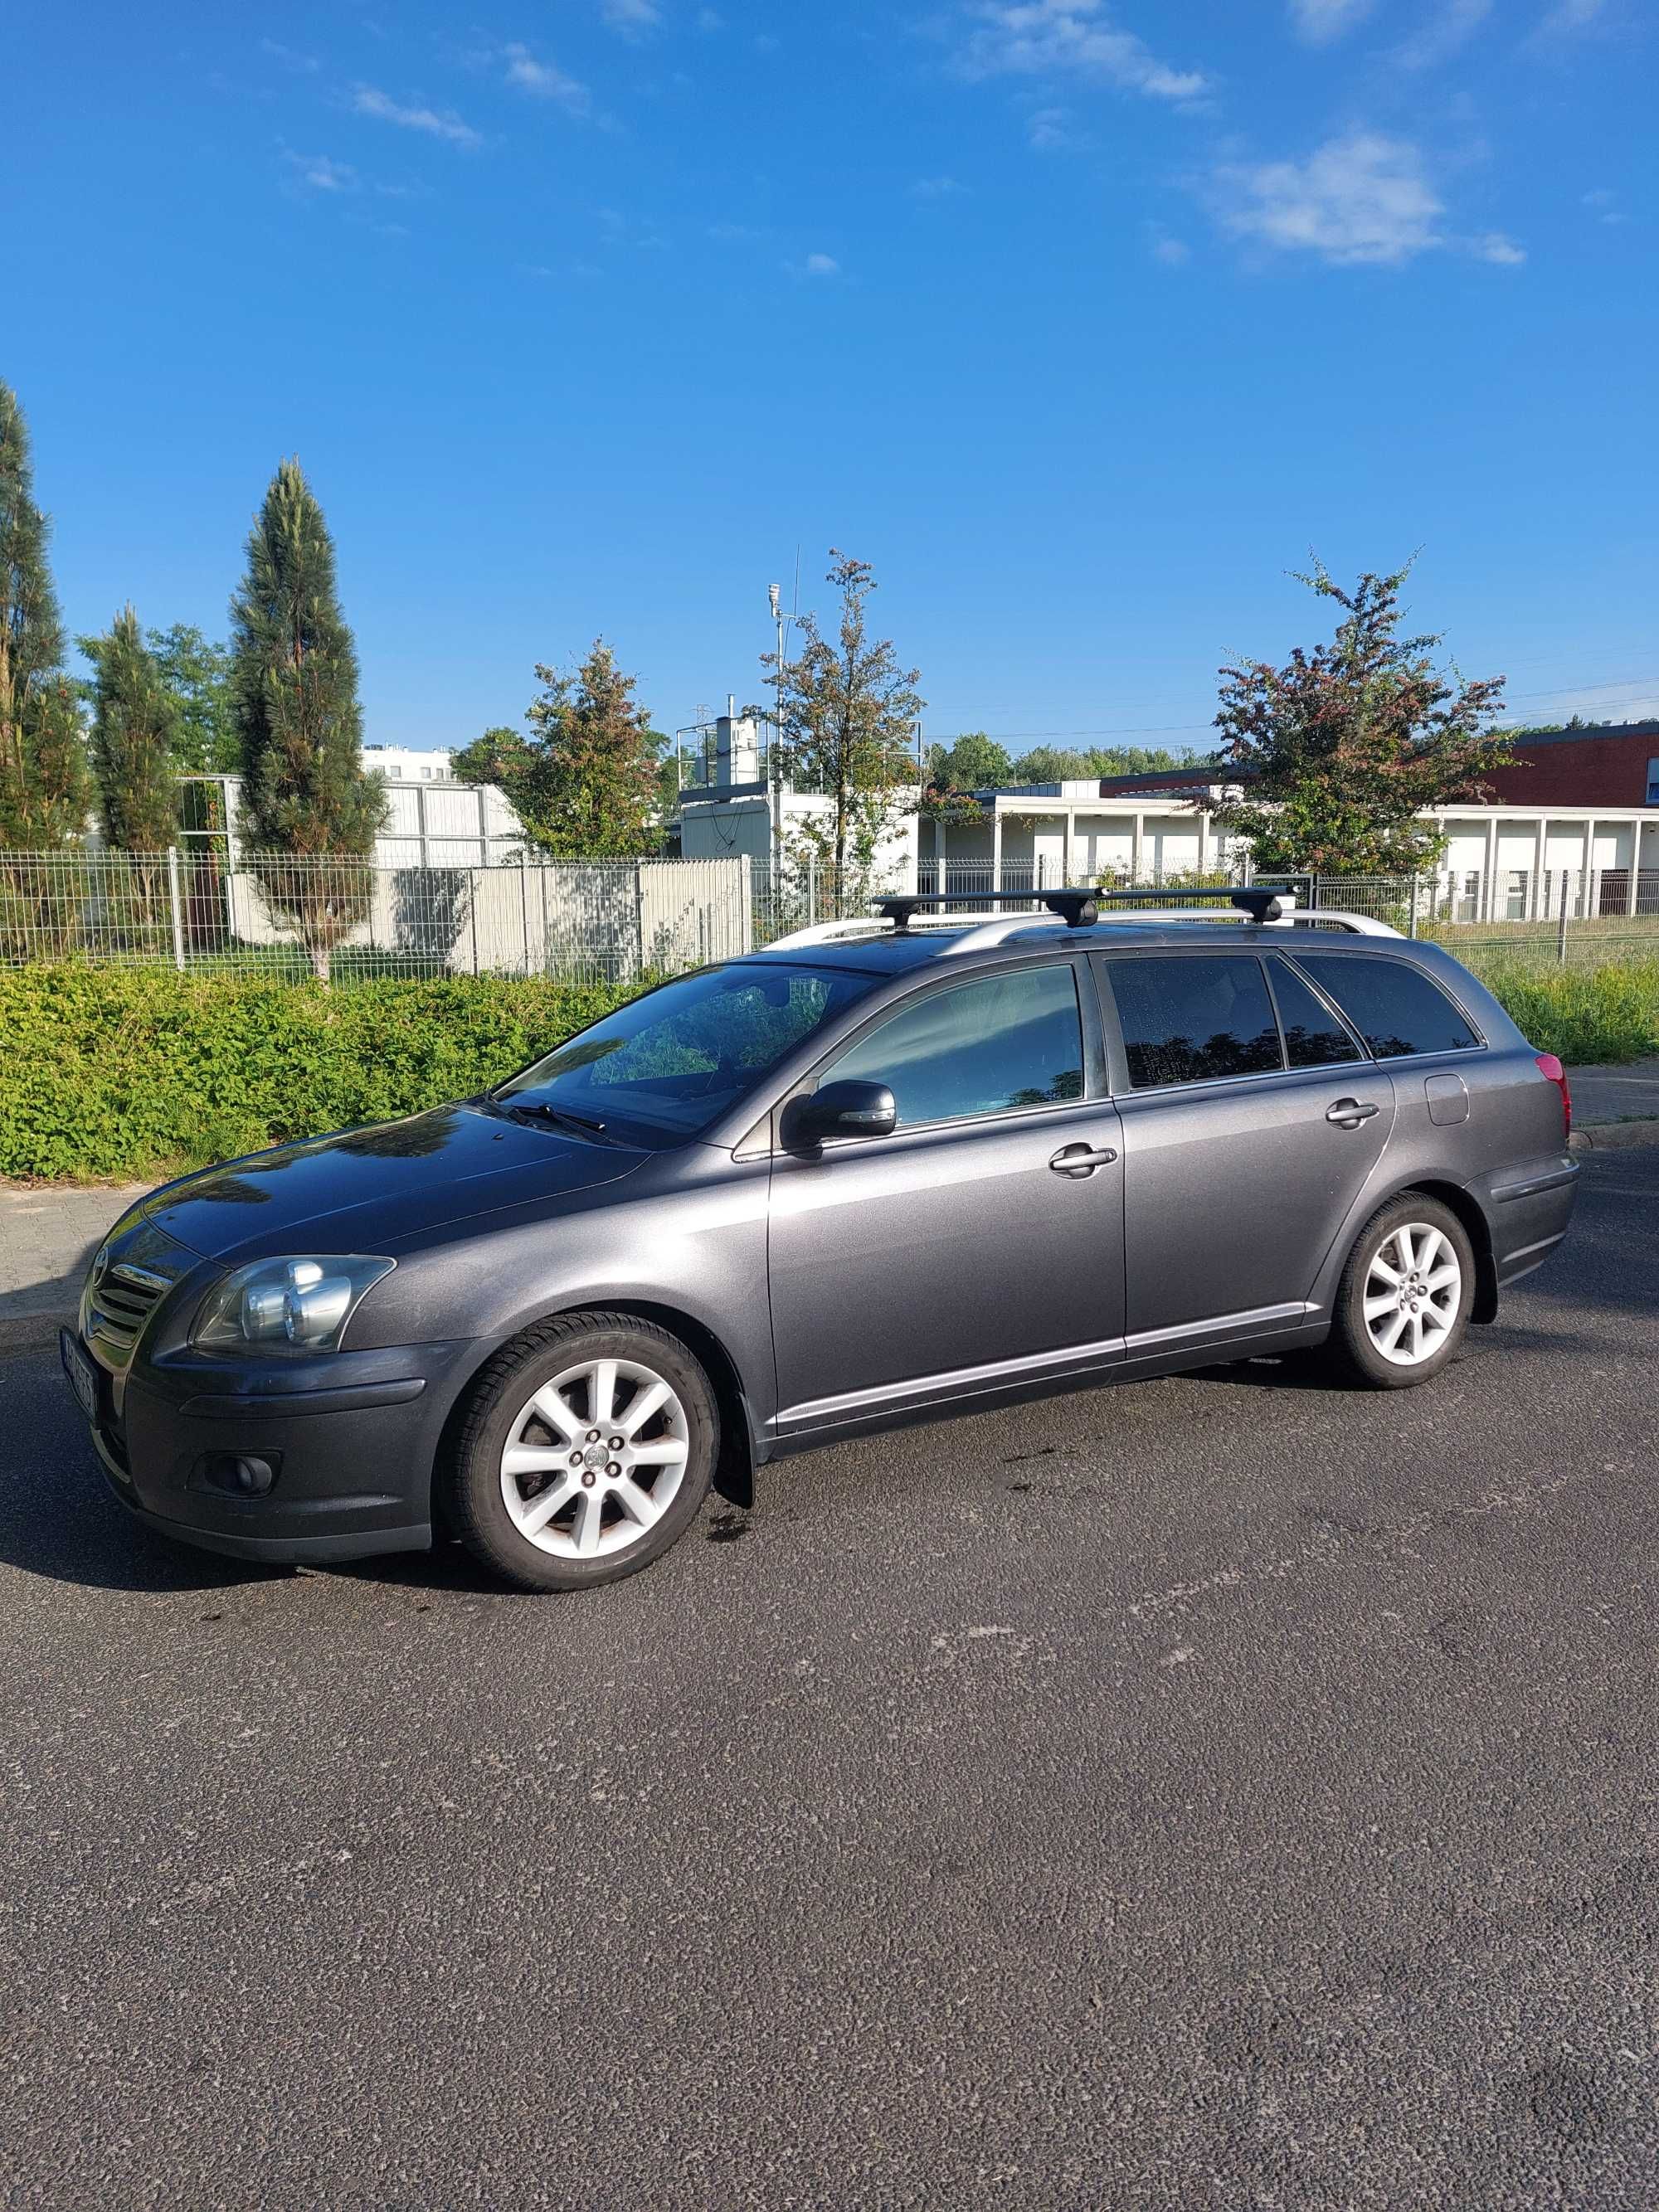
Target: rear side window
[1312,1035]
[990,1047]
[1395,1007]
[1191,1016]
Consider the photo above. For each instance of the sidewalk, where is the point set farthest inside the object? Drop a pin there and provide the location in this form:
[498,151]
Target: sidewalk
[49,1232]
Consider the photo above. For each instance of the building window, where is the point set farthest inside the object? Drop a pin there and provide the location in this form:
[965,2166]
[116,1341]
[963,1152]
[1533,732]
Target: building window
[1653,783]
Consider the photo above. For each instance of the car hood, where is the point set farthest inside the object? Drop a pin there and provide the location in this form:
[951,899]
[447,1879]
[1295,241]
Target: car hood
[364,1190]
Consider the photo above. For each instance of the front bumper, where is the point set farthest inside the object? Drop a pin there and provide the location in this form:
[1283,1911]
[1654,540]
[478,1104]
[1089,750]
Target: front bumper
[353,1438]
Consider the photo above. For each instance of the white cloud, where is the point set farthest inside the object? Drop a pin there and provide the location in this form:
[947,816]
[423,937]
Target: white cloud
[1173,253]
[1319,21]
[821,264]
[442,125]
[936,188]
[1362,198]
[631,18]
[1604,206]
[1568,16]
[306,64]
[1050,131]
[1453,24]
[543,80]
[1034,37]
[320,172]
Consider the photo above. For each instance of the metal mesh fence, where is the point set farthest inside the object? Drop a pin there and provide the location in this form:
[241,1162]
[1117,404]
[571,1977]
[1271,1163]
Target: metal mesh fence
[196,908]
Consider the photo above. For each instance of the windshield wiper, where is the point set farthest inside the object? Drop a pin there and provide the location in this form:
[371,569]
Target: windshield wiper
[522,1109]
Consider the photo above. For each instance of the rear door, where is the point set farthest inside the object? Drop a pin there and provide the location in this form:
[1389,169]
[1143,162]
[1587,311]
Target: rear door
[981,1243]
[1252,1118]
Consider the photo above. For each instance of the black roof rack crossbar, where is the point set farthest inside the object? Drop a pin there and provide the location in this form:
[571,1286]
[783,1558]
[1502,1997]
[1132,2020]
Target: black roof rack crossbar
[1262,902]
[1078,909]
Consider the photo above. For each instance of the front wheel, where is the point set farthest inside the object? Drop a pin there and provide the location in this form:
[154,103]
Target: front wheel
[1403,1303]
[588,1450]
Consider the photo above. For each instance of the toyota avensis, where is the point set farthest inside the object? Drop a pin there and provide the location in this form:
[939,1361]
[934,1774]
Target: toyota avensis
[883,1170]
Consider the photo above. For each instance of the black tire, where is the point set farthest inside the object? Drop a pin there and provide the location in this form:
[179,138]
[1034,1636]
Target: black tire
[501,1400]
[1353,1350]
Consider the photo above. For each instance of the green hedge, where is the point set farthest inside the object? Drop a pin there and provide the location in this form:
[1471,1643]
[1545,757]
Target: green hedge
[128,1073]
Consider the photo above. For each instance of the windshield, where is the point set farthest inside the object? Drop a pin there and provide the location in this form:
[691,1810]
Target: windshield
[665,1067]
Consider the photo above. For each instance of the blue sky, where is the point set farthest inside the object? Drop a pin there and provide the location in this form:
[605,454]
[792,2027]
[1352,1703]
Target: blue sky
[1083,322]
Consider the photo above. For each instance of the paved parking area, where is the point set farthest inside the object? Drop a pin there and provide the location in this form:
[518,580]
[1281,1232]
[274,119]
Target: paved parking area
[1214,1792]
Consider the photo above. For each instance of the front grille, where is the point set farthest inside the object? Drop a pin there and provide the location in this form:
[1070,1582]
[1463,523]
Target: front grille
[117,1307]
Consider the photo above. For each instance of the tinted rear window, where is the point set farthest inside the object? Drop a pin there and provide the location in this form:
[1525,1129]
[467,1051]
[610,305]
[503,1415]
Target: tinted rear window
[1312,1035]
[1192,1017]
[1395,1007]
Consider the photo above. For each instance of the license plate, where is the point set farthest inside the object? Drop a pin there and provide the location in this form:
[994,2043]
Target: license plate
[82,1375]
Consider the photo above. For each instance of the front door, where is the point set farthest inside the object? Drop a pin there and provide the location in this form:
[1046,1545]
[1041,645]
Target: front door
[981,1244]
[1240,1159]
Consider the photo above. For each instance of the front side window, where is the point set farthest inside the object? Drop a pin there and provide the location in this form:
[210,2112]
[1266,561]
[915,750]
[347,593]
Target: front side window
[990,1047]
[1312,1035]
[664,1068]
[1190,1018]
[1394,1007]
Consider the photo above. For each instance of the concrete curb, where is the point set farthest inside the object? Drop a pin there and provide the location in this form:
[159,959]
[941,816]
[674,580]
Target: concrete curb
[1614,1137]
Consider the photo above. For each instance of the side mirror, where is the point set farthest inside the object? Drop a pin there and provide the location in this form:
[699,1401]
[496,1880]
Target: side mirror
[838,1110]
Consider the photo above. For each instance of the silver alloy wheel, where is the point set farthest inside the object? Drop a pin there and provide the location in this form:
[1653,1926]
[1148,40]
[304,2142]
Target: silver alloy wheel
[1413,1290]
[595,1459]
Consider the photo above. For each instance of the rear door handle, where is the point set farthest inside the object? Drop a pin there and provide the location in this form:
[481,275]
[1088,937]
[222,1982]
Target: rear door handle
[1080,1160]
[1349,1113]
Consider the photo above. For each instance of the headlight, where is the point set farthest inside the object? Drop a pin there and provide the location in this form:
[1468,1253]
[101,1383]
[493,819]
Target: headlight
[278,1304]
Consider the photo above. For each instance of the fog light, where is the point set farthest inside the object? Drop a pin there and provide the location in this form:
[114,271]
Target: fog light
[240,1474]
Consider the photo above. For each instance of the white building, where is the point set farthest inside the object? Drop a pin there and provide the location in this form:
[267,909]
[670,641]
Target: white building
[1502,862]
[433,822]
[726,809]
[404,764]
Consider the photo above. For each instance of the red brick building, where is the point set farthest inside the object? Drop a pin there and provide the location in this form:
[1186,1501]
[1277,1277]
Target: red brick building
[1614,767]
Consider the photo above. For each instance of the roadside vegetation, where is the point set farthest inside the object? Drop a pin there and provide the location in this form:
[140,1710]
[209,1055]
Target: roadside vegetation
[117,1074]
[129,1074]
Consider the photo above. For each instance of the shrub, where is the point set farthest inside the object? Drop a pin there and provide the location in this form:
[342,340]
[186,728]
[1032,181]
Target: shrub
[130,1072]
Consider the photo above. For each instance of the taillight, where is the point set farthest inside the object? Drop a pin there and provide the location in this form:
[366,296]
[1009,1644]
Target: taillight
[1553,1072]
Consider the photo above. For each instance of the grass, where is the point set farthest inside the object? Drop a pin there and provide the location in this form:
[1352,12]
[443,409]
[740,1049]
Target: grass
[1584,1015]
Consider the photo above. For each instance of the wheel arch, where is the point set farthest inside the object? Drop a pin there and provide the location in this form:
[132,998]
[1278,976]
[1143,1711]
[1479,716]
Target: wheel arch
[734,1476]
[1469,1212]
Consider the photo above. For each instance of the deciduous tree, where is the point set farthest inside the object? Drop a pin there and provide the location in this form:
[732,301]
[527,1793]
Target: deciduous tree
[197,672]
[848,713]
[309,813]
[1338,750]
[584,782]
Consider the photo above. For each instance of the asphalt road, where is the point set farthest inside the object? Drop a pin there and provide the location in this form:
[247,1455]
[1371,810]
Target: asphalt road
[1215,1792]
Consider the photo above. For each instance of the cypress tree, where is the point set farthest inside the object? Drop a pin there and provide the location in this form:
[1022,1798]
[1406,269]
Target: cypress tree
[134,733]
[44,789]
[309,815]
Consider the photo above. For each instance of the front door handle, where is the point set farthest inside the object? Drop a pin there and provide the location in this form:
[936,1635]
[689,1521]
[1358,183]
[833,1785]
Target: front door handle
[1080,1160]
[1349,1113]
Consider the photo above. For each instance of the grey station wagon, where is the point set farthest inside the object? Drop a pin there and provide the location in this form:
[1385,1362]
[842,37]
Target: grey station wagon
[882,1170]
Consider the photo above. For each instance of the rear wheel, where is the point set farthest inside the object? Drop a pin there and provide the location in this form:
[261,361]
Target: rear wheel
[587,1451]
[1403,1302]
